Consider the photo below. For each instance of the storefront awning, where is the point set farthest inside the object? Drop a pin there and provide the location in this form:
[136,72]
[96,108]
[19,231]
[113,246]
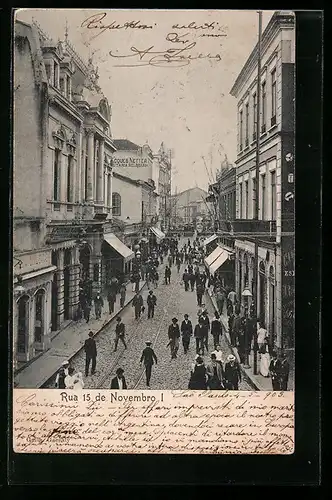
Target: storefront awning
[209,239]
[219,261]
[159,234]
[119,247]
[213,256]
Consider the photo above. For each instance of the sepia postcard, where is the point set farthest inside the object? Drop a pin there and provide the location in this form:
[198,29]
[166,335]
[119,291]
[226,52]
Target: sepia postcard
[153,231]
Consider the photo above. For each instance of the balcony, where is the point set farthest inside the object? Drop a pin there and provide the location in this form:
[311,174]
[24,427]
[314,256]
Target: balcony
[252,228]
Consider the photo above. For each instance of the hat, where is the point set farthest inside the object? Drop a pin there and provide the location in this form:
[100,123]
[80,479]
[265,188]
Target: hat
[150,292]
[148,342]
[119,371]
[199,360]
[174,320]
[118,318]
[231,357]
[64,363]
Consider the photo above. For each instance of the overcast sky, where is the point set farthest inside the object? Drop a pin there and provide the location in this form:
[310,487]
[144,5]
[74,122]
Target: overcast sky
[188,108]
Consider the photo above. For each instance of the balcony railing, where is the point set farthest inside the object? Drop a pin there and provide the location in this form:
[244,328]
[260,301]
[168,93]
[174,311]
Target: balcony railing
[273,120]
[267,228]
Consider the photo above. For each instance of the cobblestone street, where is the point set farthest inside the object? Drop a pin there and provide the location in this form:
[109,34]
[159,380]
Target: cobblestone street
[172,301]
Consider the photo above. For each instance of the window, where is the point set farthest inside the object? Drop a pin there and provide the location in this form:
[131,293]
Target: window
[62,85]
[70,179]
[86,179]
[263,199]
[246,200]
[116,204]
[273,97]
[241,130]
[23,324]
[263,107]
[39,315]
[254,190]
[56,176]
[48,72]
[254,111]
[56,75]
[68,87]
[109,190]
[241,201]
[273,196]
[247,124]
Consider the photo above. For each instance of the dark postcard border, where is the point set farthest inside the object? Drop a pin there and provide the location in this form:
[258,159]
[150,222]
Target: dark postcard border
[301,468]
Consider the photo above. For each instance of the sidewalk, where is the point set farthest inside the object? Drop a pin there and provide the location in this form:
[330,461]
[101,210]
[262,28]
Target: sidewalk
[258,382]
[67,343]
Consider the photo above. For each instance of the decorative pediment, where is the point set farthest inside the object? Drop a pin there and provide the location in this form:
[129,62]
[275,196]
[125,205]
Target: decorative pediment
[59,137]
[71,144]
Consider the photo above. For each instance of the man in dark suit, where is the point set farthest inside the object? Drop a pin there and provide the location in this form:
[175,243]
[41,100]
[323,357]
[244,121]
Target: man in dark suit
[90,354]
[186,332]
[149,357]
[151,301]
[119,382]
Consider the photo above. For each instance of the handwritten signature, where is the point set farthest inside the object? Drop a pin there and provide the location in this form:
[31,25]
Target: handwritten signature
[170,58]
[95,22]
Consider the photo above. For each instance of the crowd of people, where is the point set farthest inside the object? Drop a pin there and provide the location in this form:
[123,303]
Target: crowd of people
[217,372]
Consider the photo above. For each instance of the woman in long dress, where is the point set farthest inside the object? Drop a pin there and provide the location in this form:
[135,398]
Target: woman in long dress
[265,360]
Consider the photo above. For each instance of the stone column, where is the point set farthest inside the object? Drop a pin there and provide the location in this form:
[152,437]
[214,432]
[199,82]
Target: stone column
[100,174]
[90,166]
[105,188]
[74,278]
[60,285]
[83,156]
[109,196]
[78,175]
[47,316]
[63,176]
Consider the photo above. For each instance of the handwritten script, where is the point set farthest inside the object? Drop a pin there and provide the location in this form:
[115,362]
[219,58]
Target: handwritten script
[215,422]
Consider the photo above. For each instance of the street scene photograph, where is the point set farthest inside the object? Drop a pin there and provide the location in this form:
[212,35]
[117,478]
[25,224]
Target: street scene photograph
[153,200]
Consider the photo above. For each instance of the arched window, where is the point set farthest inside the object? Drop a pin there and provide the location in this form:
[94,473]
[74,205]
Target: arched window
[116,204]
[39,315]
[23,324]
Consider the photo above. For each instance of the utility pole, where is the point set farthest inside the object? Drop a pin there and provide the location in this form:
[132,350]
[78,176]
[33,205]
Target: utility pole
[256,212]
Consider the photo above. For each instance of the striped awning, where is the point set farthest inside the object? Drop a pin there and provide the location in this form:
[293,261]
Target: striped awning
[209,239]
[158,233]
[212,256]
[119,247]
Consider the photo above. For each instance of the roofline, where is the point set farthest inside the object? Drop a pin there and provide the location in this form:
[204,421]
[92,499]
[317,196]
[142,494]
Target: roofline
[274,25]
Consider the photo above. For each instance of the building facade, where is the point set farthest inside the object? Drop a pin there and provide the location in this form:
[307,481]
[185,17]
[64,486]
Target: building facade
[190,206]
[163,173]
[274,229]
[62,185]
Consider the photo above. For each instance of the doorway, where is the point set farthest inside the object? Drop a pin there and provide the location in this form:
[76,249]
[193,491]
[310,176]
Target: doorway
[66,282]
[54,300]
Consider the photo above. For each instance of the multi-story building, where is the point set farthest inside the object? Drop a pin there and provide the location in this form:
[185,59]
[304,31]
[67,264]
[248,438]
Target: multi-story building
[62,186]
[163,169]
[190,205]
[274,229]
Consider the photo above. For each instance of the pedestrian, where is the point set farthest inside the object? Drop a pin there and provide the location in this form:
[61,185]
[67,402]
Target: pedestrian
[138,305]
[168,273]
[232,297]
[87,310]
[174,336]
[236,329]
[216,329]
[120,330]
[149,358]
[215,374]
[185,279]
[74,380]
[178,262]
[90,349]
[198,376]
[206,322]
[155,278]
[199,337]
[241,340]
[283,372]
[230,308]
[220,299]
[152,302]
[231,329]
[265,360]
[61,375]
[186,332]
[123,292]
[262,335]
[170,260]
[111,298]
[232,373]
[199,293]
[219,354]
[119,382]
[99,304]
[274,370]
